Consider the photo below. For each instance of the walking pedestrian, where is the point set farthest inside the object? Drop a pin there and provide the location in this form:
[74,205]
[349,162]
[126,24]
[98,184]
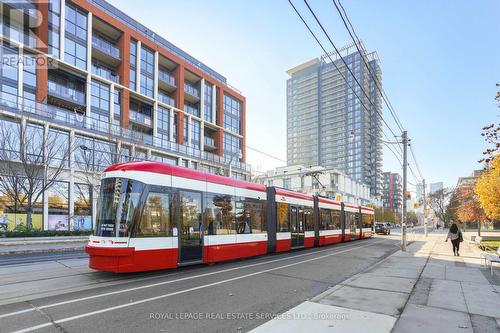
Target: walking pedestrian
[456,237]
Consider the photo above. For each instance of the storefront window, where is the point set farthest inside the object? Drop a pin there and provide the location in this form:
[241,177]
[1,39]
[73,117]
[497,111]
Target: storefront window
[83,208]
[58,215]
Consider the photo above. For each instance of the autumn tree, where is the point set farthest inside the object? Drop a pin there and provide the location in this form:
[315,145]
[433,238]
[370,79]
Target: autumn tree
[488,189]
[469,210]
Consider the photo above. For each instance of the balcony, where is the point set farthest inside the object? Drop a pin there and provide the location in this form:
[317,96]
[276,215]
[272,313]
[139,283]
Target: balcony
[192,110]
[105,51]
[192,93]
[166,99]
[166,81]
[210,144]
[66,94]
[140,118]
[105,73]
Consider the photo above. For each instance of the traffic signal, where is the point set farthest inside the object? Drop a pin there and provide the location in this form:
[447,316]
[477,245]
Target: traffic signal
[415,205]
[408,195]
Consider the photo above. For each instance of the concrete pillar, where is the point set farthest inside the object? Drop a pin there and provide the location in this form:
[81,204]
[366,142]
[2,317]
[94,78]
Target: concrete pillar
[202,136]
[71,198]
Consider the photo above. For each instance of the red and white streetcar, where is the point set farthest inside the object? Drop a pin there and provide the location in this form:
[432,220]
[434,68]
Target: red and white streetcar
[154,216]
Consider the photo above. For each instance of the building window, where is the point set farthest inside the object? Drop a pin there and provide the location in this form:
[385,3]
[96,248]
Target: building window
[232,146]
[147,71]
[82,202]
[207,112]
[58,214]
[100,97]
[195,133]
[94,154]
[75,37]
[232,114]
[8,77]
[287,183]
[54,24]
[117,109]
[133,64]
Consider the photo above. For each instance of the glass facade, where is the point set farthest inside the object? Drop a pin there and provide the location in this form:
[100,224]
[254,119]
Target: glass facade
[133,64]
[232,114]
[232,146]
[327,124]
[195,134]
[207,112]
[54,26]
[75,37]
[147,71]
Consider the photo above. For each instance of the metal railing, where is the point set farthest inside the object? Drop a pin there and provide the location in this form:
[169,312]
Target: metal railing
[166,77]
[66,93]
[105,46]
[191,90]
[209,142]
[166,99]
[95,126]
[140,118]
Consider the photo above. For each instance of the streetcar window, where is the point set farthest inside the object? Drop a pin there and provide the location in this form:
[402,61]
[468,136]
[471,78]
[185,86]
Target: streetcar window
[118,202]
[335,225]
[219,212]
[282,217]
[367,220]
[308,217]
[325,219]
[250,215]
[155,220]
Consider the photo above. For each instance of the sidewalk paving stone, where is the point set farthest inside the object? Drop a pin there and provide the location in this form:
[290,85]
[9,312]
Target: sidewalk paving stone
[381,323]
[420,318]
[447,295]
[389,283]
[482,299]
[367,300]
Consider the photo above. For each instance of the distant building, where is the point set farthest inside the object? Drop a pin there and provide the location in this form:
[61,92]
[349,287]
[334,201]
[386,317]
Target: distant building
[469,180]
[392,197]
[327,125]
[434,187]
[331,183]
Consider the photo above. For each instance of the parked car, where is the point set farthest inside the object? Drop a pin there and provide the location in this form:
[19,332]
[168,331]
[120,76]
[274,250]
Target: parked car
[381,228]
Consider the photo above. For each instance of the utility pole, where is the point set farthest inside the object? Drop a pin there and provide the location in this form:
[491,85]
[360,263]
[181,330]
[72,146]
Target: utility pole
[425,209]
[405,164]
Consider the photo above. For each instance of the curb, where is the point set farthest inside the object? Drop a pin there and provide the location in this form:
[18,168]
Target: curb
[65,249]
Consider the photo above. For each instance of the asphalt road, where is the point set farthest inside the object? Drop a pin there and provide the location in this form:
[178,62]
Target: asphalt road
[226,297]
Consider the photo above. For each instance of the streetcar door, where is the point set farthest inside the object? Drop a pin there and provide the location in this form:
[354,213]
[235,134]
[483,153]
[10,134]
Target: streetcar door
[353,224]
[190,226]
[297,226]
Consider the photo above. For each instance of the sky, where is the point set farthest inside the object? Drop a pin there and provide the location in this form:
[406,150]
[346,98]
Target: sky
[440,63]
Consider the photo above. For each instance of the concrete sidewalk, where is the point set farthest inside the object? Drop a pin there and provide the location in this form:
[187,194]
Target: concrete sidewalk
[42,244]
[425,289]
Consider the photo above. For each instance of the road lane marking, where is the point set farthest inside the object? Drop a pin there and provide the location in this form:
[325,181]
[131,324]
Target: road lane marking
[174,281]
[88,314]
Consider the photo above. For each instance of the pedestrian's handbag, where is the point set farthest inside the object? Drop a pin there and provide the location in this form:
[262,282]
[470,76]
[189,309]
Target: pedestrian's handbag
[460,237]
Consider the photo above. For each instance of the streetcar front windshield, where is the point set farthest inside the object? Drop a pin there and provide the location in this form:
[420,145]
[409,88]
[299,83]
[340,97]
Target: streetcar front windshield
[117,205]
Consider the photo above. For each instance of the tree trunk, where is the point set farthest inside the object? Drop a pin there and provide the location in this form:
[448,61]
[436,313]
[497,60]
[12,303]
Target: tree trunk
[29,223]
